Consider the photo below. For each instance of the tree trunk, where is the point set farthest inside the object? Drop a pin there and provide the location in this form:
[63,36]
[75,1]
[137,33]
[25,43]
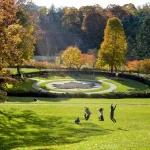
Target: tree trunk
[18,71]
[112,69]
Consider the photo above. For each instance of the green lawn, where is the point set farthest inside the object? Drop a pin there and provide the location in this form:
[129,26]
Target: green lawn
[49,124]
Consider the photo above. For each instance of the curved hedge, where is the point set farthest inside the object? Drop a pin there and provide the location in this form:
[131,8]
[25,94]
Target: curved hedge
[115,95]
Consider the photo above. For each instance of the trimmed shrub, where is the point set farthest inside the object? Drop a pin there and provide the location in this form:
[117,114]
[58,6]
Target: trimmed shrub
[111,95]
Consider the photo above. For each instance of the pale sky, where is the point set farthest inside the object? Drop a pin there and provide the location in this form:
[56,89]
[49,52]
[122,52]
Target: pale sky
[79,3]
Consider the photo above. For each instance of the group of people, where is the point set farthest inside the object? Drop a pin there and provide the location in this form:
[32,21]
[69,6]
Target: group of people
[101,117]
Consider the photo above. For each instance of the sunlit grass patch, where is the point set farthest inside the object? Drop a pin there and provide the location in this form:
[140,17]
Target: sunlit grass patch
[49,124]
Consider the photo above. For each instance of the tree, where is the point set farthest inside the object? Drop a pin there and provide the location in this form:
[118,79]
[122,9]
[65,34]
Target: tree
[113,49]
[71,21]
[143,40]
[8,10]
[131,49]
[145,66]
[93,25]
[71,57]
[116,11]
[133,65]
[16,35]
[130,8]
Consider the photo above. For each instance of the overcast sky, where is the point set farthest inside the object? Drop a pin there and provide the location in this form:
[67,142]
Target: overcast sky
[79,3]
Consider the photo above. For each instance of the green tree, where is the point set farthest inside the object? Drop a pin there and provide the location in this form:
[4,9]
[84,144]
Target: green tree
[113,49]
[143,40]
[131,49]
[71,57]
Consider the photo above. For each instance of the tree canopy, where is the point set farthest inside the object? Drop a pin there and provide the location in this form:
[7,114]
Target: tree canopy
[113,48]
[71,57]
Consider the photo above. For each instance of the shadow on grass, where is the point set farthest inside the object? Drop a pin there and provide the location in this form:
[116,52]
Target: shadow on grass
[26,129]
[25,85]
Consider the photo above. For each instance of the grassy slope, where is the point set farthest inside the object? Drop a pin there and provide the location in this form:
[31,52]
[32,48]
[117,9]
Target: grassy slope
[49,124]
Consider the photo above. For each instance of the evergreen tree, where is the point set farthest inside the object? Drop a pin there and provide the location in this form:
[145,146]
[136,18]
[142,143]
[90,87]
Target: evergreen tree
[131,49]
[143,40]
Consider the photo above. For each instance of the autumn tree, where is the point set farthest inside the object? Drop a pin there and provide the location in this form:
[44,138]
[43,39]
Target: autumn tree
[88,60]
[71,57]
[16,36]
[113,49]
[133,65]
[145,66]
[8,10]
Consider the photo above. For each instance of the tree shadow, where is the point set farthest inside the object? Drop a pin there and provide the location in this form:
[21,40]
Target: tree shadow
[26,129]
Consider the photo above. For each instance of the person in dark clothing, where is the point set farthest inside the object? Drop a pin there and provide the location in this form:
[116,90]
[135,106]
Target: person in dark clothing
[35,100]
[87,114]
[101,110]
[77,121]
[112,109]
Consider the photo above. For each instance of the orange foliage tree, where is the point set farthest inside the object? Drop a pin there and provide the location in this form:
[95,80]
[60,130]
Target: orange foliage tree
[133,65]
[88,60]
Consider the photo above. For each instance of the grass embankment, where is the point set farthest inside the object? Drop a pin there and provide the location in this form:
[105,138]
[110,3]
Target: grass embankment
[49,124]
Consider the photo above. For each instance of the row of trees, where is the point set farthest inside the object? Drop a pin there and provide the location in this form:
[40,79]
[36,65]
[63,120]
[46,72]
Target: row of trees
[84,28]
[112,51]
[111,54]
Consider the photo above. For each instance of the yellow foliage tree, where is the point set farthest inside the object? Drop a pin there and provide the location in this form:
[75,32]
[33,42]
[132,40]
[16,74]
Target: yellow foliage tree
[71,57]
[113,48]
[145,66]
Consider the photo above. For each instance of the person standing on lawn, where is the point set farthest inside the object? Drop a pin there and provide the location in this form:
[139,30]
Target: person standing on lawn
[112,109]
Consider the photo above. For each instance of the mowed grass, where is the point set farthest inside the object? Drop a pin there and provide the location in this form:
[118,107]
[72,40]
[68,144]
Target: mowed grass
[48,124]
